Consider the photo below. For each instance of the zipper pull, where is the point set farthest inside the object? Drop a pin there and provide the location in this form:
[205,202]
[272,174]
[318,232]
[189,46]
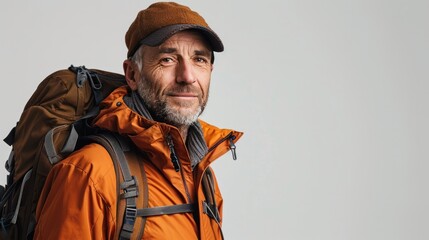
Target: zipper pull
[232,147]
[173,155]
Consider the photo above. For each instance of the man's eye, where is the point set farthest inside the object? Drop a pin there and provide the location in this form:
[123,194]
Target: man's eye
[167,60]
[201,60]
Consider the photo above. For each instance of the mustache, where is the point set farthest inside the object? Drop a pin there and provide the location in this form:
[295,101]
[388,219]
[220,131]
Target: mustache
[184,89]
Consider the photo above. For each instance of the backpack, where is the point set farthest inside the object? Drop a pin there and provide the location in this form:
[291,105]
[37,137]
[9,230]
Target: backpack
[54,123]
[47,131]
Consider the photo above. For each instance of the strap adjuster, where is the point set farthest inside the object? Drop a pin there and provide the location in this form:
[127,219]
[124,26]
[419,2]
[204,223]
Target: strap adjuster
[130,188]
[129,219]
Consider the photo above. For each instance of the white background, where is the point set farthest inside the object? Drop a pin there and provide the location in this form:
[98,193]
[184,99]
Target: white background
[332,96]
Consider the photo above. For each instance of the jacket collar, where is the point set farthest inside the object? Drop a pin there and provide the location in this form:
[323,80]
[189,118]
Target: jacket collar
[195,143]
[116,115]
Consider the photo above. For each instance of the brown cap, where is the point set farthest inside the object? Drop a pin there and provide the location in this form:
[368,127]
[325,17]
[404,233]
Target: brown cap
[161,20]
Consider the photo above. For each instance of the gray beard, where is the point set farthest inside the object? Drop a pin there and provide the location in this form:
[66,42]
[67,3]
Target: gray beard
[160,111]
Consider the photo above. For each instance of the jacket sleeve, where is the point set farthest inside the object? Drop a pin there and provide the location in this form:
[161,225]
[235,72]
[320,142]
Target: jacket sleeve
[77,198]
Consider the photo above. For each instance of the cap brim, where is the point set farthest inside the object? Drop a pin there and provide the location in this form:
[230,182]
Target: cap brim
[162,34]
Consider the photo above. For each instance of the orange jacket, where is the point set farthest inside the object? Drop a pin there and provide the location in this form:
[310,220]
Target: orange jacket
[79,197]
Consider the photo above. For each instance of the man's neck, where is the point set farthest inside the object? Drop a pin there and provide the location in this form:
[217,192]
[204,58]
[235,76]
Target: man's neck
[183,132]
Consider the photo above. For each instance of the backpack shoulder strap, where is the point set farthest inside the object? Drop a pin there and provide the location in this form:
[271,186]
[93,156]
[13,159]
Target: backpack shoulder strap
[132,186]
[126,163]
[209,205]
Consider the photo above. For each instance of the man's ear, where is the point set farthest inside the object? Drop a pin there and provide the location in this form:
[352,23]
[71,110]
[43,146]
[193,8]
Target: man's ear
[131,73]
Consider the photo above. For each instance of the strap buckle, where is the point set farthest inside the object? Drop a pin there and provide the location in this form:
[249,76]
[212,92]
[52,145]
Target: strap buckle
[129,220]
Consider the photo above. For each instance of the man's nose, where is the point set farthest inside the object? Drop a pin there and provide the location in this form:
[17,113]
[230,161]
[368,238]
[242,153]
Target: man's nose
[185,72]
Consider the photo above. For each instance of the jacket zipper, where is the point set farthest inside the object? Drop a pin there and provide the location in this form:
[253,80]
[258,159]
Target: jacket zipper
[232,146]
[177,164]
[173,155]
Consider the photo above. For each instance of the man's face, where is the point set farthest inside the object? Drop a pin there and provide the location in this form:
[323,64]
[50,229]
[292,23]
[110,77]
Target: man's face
[175,78]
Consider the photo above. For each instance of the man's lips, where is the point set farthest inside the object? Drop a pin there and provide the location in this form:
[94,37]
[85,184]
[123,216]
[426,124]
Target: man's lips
[183,95]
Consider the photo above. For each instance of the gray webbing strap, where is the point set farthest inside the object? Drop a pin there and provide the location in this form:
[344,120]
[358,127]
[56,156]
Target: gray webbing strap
[70,144]
[114,144]
[165,210]
[21,190]
[50,147]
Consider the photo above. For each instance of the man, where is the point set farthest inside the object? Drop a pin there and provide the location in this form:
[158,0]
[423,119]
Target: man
[168,71]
